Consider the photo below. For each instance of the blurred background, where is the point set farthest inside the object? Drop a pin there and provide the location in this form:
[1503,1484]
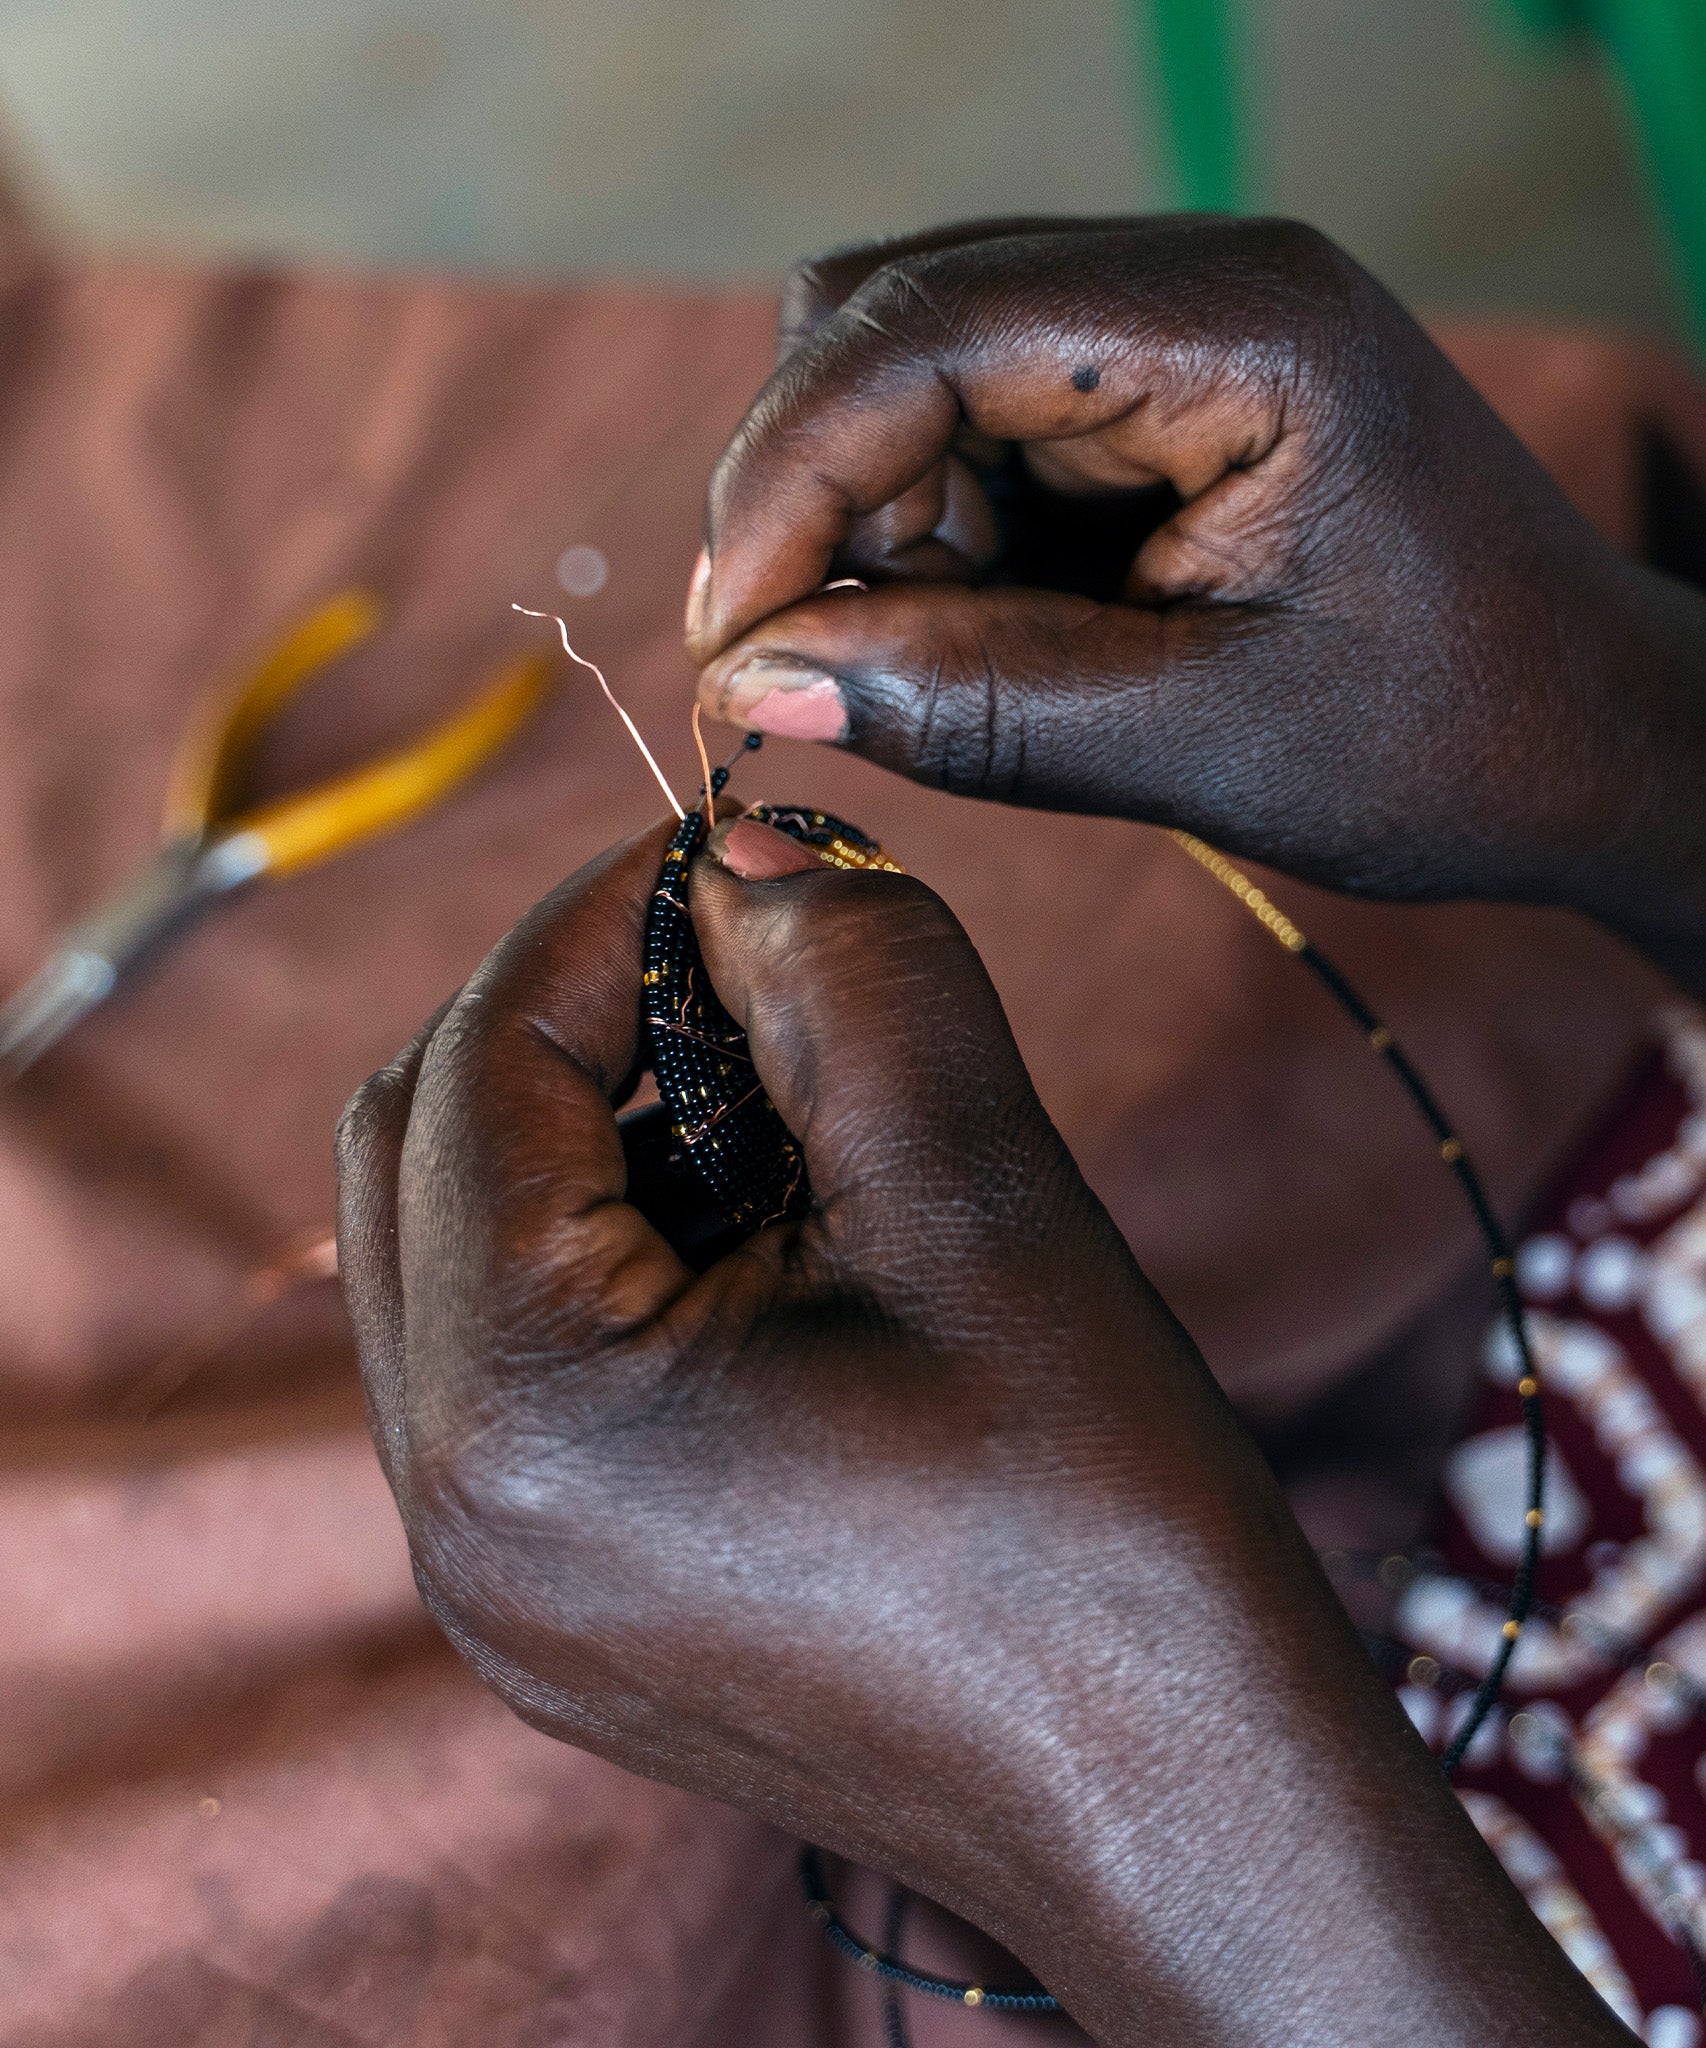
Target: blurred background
[1471,159]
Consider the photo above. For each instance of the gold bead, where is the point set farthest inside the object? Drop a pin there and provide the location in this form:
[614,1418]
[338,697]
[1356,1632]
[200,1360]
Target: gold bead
[1528,1387]
[1451,1151]
[974,1996]
[1502,1268]
[1380,1038]
[1534,1518]
[1511,1630]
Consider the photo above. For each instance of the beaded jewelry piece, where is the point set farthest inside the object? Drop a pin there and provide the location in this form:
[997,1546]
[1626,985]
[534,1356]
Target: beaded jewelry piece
[925,1982]
[725,1125]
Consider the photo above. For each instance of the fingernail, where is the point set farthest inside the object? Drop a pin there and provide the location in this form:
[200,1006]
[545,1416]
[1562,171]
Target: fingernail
[781,698]
[759,853]
[698,587]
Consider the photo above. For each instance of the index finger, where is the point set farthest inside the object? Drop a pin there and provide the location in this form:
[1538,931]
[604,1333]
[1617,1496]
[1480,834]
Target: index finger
[822,284]
[1161,350]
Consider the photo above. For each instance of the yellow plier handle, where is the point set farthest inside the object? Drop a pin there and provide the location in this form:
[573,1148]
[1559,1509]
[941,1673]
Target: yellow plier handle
[212,846]
[295,831]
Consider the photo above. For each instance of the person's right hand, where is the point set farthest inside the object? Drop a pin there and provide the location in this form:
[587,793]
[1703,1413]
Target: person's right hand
[1359,635]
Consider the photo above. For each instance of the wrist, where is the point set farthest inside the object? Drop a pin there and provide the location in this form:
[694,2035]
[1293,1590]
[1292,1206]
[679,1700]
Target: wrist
[1638,862]
[1215,1826]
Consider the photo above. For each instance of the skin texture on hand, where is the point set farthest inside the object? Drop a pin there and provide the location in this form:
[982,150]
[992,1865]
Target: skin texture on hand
[1355,631]
[919,1526]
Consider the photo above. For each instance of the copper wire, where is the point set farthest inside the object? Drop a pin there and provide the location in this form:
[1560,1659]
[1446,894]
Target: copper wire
[633,729]
[704,763]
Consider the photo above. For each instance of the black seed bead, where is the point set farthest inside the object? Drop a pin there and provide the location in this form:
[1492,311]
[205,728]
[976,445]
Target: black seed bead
[724,1124]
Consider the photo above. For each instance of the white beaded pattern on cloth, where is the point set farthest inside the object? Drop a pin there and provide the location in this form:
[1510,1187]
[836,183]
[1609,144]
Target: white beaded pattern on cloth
[1633,1585]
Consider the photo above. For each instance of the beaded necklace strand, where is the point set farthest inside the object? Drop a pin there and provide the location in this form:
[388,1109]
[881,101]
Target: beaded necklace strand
[1503,1266]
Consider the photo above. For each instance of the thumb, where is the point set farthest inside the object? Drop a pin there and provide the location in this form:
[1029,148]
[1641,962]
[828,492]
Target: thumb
[880,1039]
[1027,696]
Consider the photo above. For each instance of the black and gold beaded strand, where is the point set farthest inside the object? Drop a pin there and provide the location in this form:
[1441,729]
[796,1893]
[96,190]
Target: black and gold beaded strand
[1453,1154]
[723,1126]
[895,2034]
[891,1970]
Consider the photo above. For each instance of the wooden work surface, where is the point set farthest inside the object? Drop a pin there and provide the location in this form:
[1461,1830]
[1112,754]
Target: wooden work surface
[245,1796]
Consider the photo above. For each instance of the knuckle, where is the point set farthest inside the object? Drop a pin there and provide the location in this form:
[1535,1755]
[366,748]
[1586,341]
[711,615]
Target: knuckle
[1280,240]
[368,1109]
[572,1286]
[903,302]
[471,1495]
[1306,260]
[808,296]
[919,915]
[968,727]
[820,285]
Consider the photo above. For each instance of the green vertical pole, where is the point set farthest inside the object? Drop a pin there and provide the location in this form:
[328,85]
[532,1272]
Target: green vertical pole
[1550,17]
[1657,49]
[1191,45]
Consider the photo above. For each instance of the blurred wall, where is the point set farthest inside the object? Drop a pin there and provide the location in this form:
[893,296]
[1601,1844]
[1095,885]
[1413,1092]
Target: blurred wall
[725,137]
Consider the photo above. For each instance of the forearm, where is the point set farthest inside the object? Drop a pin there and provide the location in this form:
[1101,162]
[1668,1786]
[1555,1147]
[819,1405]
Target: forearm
[1240,1840]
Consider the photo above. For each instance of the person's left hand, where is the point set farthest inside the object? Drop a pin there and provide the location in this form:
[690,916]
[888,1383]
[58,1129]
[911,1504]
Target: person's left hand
[918,1526]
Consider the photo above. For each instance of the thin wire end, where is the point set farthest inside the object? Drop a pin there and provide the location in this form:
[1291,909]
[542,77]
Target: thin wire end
[704,763]
[634,732]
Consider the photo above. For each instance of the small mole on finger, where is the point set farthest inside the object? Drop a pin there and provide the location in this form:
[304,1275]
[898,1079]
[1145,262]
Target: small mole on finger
[1086,377]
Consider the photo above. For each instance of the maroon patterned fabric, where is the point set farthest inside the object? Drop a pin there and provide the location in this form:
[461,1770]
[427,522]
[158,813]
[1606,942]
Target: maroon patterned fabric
[1591,1786]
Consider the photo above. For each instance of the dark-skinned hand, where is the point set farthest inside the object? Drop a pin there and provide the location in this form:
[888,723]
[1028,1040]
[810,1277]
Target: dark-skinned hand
[918,1527]
[1187,520]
